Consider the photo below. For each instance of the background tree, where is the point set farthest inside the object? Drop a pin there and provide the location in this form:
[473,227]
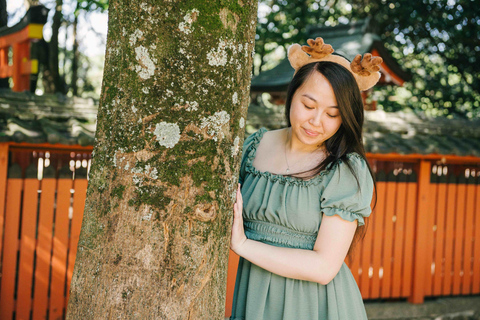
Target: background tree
[52,81]
[82,6]
[156,227]
[437,41]
[61,66]
[284,22]
[3,22]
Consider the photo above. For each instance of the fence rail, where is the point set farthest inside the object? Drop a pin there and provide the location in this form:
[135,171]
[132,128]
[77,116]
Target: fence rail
[419,243]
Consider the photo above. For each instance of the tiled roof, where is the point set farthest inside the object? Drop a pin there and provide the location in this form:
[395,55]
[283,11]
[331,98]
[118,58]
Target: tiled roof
[36,14]
[25,117]
[406,132]
[403,132]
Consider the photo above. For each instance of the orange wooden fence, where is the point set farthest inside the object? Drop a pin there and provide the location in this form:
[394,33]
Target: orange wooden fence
[420,240]
[41,227]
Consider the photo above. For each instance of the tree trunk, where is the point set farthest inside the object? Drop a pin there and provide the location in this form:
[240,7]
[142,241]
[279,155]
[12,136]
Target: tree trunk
[3,22]
[156,228]
[3,13]
[75,58]
[54,75]
[64,72]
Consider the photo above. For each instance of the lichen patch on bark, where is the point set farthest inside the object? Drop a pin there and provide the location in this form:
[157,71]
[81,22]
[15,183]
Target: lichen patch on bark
[218,56]
[236,146]
[167,134]
[216,124]
[186,25]
[146,69]
[138,34]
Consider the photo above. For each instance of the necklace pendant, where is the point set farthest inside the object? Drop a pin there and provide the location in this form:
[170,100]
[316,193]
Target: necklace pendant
[288,170]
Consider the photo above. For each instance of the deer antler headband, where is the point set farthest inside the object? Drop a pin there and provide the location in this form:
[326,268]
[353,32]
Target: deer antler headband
[365,71]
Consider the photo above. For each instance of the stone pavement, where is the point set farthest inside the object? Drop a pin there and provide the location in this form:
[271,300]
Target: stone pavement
[444,308]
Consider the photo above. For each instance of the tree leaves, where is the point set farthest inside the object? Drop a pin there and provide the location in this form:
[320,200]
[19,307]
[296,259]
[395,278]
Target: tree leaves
[438,41]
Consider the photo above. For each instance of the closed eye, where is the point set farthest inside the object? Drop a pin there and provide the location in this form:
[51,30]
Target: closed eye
[314,108]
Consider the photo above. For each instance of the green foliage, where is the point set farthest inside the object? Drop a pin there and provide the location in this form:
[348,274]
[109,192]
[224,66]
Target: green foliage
[438,42]
[435,40]
[287,22]
[88,83]
[92,5]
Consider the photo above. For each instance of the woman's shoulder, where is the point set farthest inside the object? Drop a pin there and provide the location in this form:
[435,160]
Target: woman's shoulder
[355,156]
[263,134]
[351,157]
[355,161]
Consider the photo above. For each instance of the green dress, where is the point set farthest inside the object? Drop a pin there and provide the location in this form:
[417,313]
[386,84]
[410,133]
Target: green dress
[287,211]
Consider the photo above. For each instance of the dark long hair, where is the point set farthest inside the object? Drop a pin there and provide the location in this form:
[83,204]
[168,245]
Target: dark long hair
[348,137]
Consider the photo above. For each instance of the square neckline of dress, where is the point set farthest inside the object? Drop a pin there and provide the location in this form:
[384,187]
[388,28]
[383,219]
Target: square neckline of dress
[258,135]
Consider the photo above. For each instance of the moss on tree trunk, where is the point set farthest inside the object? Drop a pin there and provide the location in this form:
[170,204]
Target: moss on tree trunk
[156,228]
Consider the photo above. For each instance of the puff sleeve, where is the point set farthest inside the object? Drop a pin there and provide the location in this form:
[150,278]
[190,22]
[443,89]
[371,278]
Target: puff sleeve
[245,150]
[341,195]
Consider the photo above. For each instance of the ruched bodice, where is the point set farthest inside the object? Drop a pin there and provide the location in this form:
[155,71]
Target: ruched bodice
[287,211]
[278,235]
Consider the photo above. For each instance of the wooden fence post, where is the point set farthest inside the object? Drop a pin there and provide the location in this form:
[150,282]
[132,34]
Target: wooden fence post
[421,234]
[10,250]
[44,244]
[3,184]
[28,225]
[60,244]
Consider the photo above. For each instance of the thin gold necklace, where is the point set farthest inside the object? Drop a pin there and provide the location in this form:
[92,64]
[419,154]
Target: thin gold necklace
[286,141]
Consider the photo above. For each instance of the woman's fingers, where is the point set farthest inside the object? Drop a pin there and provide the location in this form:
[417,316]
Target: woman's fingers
[239,202]
[239,194]
[238,234]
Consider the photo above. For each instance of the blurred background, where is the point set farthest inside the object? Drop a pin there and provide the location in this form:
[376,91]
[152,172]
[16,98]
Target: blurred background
[436,41]
[74,35]
[421,135]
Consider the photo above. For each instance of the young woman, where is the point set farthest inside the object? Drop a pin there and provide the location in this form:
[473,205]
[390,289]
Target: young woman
[304,196]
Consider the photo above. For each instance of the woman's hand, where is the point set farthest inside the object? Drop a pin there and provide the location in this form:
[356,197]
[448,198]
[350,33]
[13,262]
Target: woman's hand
[238,233]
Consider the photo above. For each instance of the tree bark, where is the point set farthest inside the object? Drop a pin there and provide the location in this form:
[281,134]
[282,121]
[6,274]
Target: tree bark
[3,13]
[3,22]
[156,228]
[53,74]
[75,58]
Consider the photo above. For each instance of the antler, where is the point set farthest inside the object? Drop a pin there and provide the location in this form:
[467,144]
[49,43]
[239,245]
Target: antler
[317,49]
[367,65]
[296,56]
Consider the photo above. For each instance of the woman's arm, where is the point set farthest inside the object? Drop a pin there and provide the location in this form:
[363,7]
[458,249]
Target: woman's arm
[319,265]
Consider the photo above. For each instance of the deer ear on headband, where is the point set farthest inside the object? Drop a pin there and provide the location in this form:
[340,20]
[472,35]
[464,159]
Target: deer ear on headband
[365,70]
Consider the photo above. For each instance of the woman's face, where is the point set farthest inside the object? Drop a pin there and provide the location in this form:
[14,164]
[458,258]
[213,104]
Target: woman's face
[314,114]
